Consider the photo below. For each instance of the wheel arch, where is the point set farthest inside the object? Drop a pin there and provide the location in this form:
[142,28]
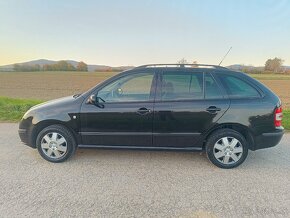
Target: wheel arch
[45,123]
[244,130]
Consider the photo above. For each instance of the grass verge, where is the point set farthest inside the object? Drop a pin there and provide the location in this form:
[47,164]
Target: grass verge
[286,119]
[12,110]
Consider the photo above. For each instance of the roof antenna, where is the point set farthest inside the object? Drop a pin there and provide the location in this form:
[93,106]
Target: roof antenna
[225,56]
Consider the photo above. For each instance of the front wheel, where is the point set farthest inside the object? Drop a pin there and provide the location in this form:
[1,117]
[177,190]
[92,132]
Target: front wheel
[55,143]
[226,148]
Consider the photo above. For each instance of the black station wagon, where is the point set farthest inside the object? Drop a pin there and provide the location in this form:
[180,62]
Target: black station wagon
[161,107]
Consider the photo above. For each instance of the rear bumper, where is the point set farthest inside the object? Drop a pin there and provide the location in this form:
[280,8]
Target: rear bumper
[267,140]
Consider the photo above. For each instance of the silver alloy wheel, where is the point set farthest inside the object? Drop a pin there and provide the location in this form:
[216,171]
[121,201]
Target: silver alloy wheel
[53,145]
[228,150]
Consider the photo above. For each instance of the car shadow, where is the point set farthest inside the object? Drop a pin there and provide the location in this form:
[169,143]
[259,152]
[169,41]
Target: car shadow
[142,157]
[268,159]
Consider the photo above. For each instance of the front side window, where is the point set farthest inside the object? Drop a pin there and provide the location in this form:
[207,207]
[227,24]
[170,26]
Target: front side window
[237,87]
[181,85]
[131,88]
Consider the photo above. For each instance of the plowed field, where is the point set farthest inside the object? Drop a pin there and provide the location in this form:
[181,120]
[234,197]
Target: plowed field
[50,85]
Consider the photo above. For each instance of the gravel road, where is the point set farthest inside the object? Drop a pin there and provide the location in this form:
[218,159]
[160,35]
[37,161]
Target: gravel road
[106,183]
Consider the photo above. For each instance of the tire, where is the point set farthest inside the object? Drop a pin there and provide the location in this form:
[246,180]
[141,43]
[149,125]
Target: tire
[55,143]
[226,148]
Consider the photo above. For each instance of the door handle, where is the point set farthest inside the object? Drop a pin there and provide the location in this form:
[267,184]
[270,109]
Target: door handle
[143,111]
[213,109]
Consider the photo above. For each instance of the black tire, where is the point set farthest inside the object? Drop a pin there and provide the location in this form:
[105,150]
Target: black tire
[216,137]
[69,144]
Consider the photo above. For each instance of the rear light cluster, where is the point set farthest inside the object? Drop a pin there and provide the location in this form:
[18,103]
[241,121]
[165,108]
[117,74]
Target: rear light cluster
[278,117]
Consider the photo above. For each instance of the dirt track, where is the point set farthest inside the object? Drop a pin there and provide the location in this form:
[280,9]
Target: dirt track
[48,85]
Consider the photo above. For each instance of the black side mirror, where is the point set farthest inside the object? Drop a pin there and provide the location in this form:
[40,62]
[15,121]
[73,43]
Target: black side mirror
[93,99]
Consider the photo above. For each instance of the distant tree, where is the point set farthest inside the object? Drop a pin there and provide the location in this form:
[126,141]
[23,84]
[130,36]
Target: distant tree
[26,68]
[252,70]
[194,62]
[274,64]
[109,69]
[59,66]
[182,61]
[82,67]
[46,67]
[70,67]
[16,67]
[64,66]
[37,67]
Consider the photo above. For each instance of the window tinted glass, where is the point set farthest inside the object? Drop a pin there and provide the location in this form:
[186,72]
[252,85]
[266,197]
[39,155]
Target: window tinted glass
[182,85]
[128,89]
[212,91]
[238,88]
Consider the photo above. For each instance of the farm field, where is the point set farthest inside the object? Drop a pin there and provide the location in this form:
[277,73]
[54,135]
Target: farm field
[266,76]
[50,85]
[278,83]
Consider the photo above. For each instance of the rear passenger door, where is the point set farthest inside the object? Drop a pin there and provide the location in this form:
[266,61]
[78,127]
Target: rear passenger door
[188,103]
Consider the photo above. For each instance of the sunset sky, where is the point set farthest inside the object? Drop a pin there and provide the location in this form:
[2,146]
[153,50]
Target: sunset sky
[132,32]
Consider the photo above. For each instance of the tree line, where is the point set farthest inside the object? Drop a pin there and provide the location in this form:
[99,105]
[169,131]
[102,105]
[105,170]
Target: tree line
[274,65]
[59,66]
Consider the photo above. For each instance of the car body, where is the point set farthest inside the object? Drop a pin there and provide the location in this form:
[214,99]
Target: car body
[163,107]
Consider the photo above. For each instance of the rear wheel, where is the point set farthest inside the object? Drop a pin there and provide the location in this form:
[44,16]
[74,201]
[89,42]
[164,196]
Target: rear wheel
[226,148]
[55,143]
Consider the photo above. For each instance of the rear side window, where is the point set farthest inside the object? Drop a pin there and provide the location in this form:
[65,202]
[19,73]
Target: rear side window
[182,85]
[239,88]
[212,90]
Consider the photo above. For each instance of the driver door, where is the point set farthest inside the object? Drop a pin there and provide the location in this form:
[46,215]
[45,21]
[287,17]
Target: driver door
[125,117]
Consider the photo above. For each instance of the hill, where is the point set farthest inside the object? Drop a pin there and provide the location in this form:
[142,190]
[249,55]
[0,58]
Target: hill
[41,62]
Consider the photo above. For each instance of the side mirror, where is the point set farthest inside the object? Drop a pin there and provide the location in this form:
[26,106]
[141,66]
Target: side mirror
[92,99]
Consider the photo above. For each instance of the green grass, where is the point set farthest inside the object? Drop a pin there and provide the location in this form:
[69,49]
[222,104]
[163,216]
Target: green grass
[13,109]
[286,119]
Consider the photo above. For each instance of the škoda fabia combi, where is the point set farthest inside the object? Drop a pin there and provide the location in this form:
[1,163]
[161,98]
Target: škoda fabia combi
[161,107]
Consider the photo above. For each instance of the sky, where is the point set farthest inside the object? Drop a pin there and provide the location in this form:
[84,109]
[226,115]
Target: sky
[136,32]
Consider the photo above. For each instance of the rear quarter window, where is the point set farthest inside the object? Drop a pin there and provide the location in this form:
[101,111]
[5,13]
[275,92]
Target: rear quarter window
[238,88]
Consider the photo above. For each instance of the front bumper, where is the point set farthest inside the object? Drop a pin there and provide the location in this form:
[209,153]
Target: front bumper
[25,131]
[23,135]
[267,140]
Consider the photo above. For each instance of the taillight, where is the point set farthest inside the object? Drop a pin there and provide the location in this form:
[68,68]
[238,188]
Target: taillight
[278,117]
